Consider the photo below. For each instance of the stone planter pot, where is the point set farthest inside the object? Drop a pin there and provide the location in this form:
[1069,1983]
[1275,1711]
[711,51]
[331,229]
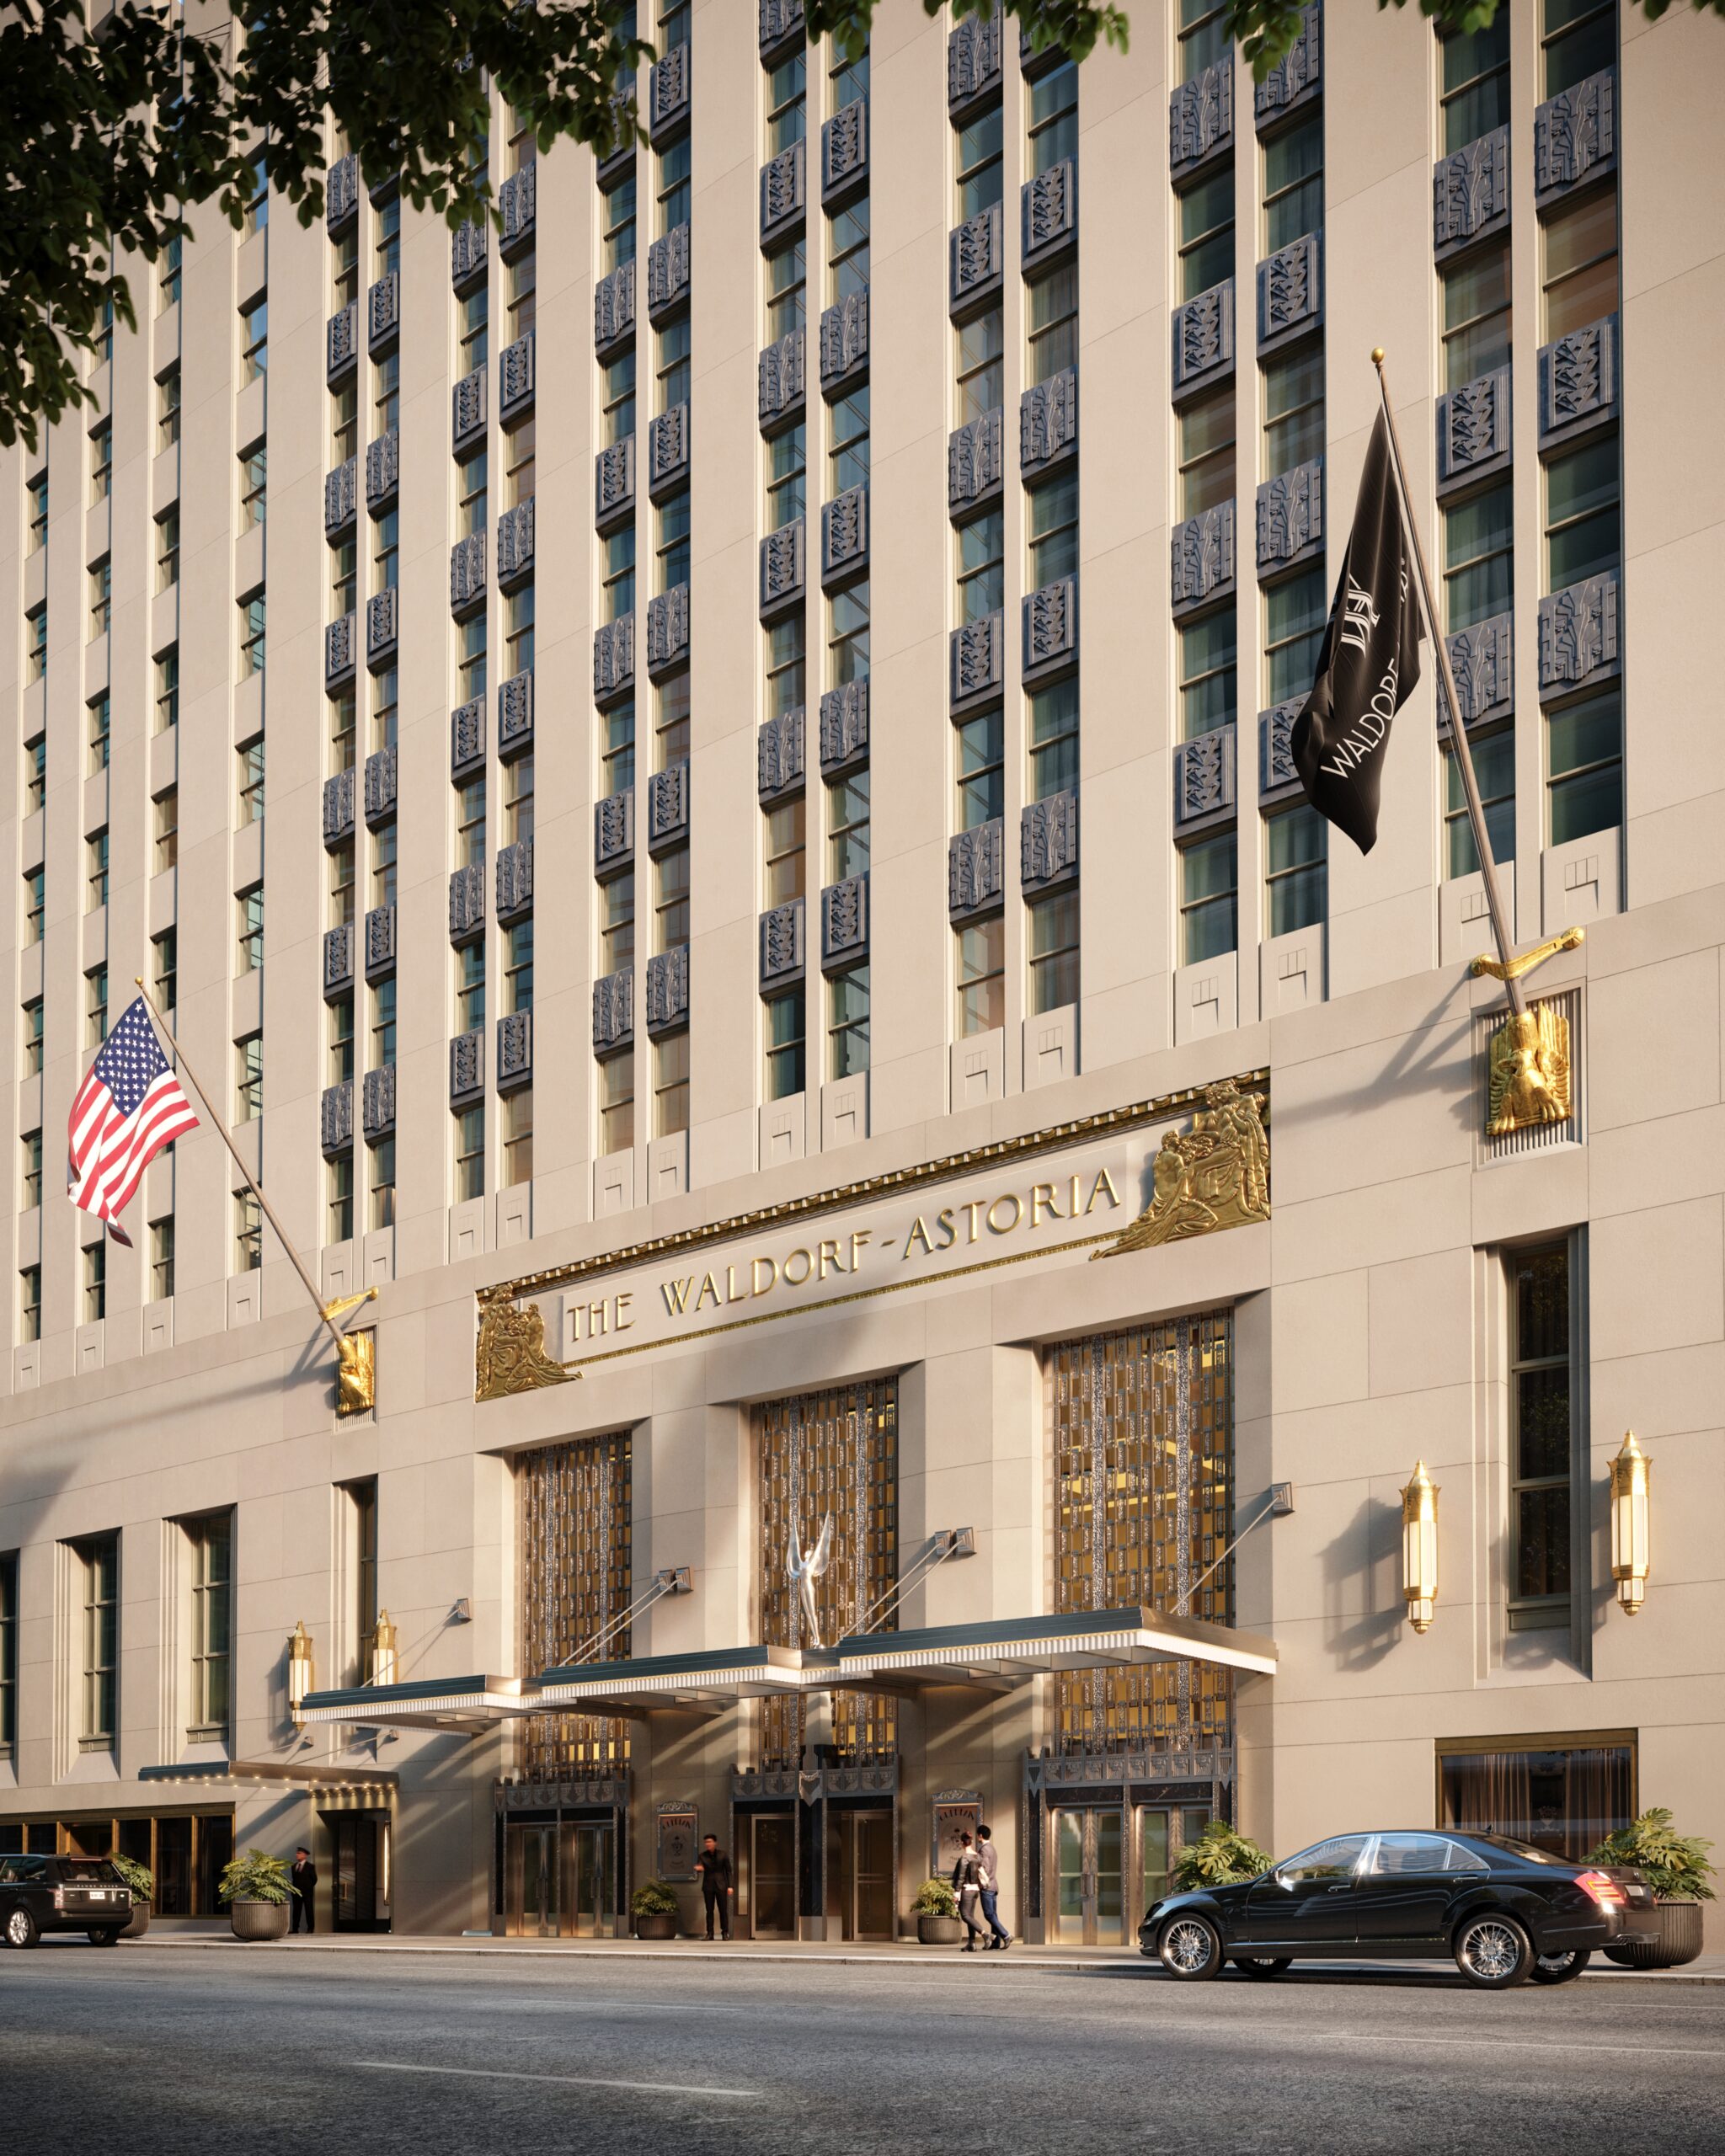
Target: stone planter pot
[1679,1939]
[664,1927]
[259,1919]
[939,1931]
[140,1921]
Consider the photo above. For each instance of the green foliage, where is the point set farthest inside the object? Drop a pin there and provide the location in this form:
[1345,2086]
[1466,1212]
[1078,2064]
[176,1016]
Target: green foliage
[653,1898]
[935,1899]
[1675,1865]
[1220,1858]
[138,1876]
[256,1876]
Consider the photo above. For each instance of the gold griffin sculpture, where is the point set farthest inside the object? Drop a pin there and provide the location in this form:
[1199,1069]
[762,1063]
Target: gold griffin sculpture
[509,1355]
[1215,1175]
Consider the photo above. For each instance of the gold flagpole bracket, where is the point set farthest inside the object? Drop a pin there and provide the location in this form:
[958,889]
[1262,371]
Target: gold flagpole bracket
[1514,967]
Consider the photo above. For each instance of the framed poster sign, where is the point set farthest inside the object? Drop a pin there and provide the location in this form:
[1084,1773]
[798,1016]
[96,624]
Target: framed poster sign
[679,1837]
[956,1811]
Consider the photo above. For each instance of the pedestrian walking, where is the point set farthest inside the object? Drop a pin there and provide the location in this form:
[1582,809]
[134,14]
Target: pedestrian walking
[717,1891]
[304,1874]
[989,1862]
[967,1885]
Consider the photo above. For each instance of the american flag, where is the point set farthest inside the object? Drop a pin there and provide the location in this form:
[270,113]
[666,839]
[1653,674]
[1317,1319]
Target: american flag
[128,1107]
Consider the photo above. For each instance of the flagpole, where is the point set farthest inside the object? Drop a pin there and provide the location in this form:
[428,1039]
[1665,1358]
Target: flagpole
[1458,732]
[252,1183]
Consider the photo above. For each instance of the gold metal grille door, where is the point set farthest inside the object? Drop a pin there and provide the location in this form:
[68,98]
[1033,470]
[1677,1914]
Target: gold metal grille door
[576,1563]
[1142,1425]
[833,1452]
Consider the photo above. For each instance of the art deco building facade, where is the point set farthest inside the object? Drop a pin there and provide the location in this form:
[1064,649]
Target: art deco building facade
[786,945]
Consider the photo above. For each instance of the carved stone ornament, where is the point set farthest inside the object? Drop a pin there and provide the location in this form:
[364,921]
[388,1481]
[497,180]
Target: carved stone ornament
[356,1374]
[1216,1174]
[668,263]
[1529,1074]
[509,1354]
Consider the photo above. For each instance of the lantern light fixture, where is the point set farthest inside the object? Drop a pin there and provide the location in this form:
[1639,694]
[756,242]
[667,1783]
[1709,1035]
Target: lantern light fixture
[301,1676]
[1631,1472]
[1419,1548]
[384,1662]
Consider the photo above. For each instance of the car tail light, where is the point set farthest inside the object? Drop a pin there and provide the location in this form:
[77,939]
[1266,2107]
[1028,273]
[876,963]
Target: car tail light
[60,1897]
[1606,1892]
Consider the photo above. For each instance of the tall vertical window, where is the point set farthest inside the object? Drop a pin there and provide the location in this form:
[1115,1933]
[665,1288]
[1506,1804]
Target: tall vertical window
[341,1039]
[1053,946]
[95,871]
[847,253]
[673,188]
[1293,408]
[1479,558]
[616,1103]
[472,662]
[1294,183]
[784,1019]
[101,598]
[981,545]
[1476,313]
[672,367]
[1209,898]
[36,904]
[1203,35]
[1054,741]
[251,782]
[253,622]
[470,988]
[341,884]
[248,1078]
[847,642]
[338,1173]
[345,422]
[1584,531]
[383,1024]
[979,771]
[162,1259]
[380,1171]
[386,552]
[1053,318]
[8,1651]
[784,873]
[250,905]
[1494,773]
[1294,613]
[670,543]
[1206,451]
[517,1137]
[1476,87]
[253,341]
[786,93]
[96,1006]
[618,223]
[165,965]
[847,440]
[1578,39]
[617,573]
[1209,674]
[518,632]
[786,291]
[980,364]
[1580,277]
[981,976]
[167,549]
[617,398]
[472,496]
[470,823]
[671,1085]
[100,720]
[101,462]
[1584,749]
[523,294]
[166,822]
[1054,118]
[472,331]
[1540,1464]
[168,689]
[787,461]
[1051,517]
[518,967]
[29,1304]
[362,1500]
[36,629]
[847,1023]
[256,209]
[210,1548]
[35,775]
[167,409]
[247,1233]
[617,923]
[979,162]
[470,1154]
[617,749]
[38,534]
[670,720]
[785,667]
[33,1038]
[170,274]
[1296,869]
[847,827]
[670,899]
[30,1178]
[99,1582]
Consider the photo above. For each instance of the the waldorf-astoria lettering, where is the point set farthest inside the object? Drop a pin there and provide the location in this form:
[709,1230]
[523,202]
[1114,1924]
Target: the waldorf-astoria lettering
[1360,617]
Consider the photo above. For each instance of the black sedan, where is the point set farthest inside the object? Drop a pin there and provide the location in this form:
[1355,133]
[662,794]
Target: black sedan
[61,1893]
[1505,1910]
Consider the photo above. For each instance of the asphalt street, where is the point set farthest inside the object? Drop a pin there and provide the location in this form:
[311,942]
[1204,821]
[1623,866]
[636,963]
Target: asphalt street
[146,2049]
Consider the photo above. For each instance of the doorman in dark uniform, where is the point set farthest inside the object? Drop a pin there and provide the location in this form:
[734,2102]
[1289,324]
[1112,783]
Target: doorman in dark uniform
[303,1873]
[716,1890]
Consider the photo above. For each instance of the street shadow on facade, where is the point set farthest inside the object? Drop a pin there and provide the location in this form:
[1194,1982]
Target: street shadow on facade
[1351,1561]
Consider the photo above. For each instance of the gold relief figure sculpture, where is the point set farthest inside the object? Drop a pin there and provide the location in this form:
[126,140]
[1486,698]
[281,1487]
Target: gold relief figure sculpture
[1216,1174]
[510,1356]
[356,1374]
[1529,1071]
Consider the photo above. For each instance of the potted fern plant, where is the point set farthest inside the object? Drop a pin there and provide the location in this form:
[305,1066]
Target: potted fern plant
[1219,1857]
[936,1910]
[1676,1867]
[656,1909]
[256,1887]
[141,1882]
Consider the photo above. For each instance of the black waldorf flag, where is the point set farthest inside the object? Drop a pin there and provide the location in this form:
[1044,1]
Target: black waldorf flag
[1369,661]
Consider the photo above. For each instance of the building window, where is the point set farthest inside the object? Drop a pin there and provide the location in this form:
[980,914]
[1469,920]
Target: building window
[784,878]
[386,549]
[256,209]
[518,632]
[29,1304]
[383,1024]
[1053,324]
[617,923]
[1054,741]
[339,1176]
[1494,773]
[1577,39]
[787,460]
[470,1154]
[616,1103]
[1293,408]
[981,364]
[167,409]
[617,573]
[1294,613]
[1207,233]
[95,871]
[978,163]
[385,396]
[248,1076]
[980,773]
[847,253]
[1053,952]
[161,1259]
[1476,92]
[33,1038]
[847,827]
[102,595]
[1479,558]
[386,690]
[101,462]
[36,904]
[344,423]
[253,341]
[785,95]
[1565,1798]
[345,267]
[31,1147]
[251,782]
[1206,452]
[617,398]
[670,722]
[521,448]
[1053,522]
[670,544]
[617,755]
[95,1282]
[670,899]
[36,642]
[1294,183]
[341,1040]
[168,689]
[1476,312]
[35,775]
[518,967]
[250,904]
[1580,283]
[380,1168]
[1204,36]
[518,1137]
[165,948]
[38,491]
[167,820]
[472,661]
[981,976]
[847,1023]
[341,884]
[362,1497]
[248,1232]
[982,571]
[470,823]
[784,1020]
[1209,898]
[99,1566]
[786,299]
[470,988]
[167,549]
[617,210]
[100,725]
[96,1006]
[8,1651]
[1296,869]
[785,666]
[1541,1443]
[1209,675]
[671,1085]
[1583,535]
[252,618]
[847,442]
[170,274]
[473,512]
[1584,746]
[673,187]
[209,1546]
[1054,118]
[847,636]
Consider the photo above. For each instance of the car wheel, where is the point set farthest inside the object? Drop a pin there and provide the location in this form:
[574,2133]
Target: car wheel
[107,1936]
[1493,1952]
[22,1929]
[1559,1968]
[1251,1966]
[1190,1948]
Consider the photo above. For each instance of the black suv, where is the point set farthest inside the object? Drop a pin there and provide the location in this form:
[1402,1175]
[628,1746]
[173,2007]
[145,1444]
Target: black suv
[61,1893]
[1505,1909]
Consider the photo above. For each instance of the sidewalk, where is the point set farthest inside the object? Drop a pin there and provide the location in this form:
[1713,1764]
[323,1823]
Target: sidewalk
[214,1934]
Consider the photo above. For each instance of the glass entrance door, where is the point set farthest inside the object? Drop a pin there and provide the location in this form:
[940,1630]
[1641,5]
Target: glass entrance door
[861,1887]
[532,1881]
[1090,1901]
[772,1875]
[1163,1831]
[589,1880]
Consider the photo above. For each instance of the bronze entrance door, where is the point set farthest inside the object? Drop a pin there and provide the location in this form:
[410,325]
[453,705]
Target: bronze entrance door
[588,1880]
[1090,1899]
[353,1890]
[772,1875]
[860,1882]
[1163,1831]
[531,1853]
